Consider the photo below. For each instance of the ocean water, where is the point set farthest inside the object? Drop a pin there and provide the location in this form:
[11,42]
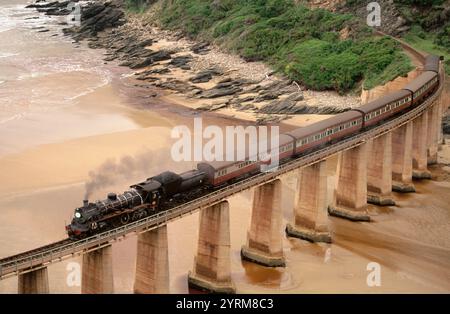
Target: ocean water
[41,73]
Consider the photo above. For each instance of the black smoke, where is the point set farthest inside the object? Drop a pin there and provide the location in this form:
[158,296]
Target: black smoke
[130,170]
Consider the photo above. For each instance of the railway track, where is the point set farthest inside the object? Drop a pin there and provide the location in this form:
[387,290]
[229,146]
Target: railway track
[5,262]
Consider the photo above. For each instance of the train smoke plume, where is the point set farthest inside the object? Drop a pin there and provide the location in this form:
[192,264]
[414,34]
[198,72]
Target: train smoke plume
[128,168]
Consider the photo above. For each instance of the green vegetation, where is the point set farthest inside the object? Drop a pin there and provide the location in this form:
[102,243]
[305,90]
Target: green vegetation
[323,50]
[430,29]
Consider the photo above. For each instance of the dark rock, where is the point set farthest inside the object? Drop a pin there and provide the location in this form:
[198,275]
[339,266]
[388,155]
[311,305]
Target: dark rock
[200,48]
[147,73]
[56,12]
[247,107]
[267,95]
[181,60]
[212,107]
[147,42]
[201,77]
[247,99]
[220,92]
[96,17]
[206,76]
[147,78]
[110,58]
[175,85]
[92,10]
[42,5]
[297,96]
[225,84]
[151,95]
[154,56]
[161,55]
[141,63]
[279,107]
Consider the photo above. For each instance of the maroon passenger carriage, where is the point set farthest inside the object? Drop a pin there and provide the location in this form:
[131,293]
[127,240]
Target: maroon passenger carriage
[423,86]
[220,172]
[325,131]
[384,107]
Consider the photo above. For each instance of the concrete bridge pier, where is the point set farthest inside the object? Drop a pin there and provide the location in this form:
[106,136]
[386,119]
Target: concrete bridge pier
[35,282]
[379,171]
[97,272]
[264,238]
[441,112]
[432,134]
[419,153]
[402,144]
[310,211]
[350,194]
[212,269]
[152,262]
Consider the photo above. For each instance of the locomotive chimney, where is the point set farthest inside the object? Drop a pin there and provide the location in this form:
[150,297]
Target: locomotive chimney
[85,203]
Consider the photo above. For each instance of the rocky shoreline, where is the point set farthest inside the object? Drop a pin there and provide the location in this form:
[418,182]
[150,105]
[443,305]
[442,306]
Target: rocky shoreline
[191,70]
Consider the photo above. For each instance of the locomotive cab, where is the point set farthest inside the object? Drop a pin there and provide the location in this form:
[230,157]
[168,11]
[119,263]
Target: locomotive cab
[150,190]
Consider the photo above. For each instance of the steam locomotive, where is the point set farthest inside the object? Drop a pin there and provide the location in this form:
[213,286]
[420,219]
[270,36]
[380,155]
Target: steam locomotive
[157,193]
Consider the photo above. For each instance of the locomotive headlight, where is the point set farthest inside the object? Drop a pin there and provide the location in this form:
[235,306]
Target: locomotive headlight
[77,215]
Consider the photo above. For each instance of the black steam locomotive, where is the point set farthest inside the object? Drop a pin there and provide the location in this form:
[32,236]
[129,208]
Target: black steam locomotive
[141,200]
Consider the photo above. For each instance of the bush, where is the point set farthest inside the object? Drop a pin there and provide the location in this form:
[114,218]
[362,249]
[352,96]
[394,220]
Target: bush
[443,38]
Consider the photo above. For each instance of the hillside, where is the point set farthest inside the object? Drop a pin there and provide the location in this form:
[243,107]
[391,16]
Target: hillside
[320,49]
[425,24]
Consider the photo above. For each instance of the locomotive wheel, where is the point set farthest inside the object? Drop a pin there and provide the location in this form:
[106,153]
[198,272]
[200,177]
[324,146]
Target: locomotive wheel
[139,214]
[115,222]
[124,219]
[94,226]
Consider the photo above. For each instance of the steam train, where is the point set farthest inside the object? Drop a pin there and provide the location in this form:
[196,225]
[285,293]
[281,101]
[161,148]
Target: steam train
[156,193]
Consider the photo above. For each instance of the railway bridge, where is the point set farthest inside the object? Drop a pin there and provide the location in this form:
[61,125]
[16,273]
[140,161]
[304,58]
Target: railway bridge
[370,165]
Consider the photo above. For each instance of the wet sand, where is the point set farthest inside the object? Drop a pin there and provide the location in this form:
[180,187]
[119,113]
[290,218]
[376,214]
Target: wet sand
[46,158]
